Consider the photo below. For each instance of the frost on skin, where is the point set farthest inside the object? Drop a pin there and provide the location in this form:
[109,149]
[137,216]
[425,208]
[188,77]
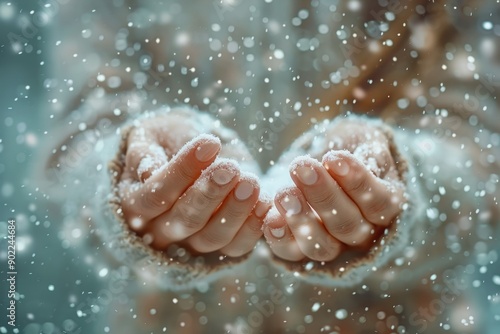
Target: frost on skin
[346,192]
[151,162]
[177,189]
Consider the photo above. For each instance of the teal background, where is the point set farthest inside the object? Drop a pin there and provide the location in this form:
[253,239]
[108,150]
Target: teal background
[44,262]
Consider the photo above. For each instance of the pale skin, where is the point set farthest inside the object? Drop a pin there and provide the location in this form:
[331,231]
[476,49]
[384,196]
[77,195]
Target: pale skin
[343,197]
[340,200]
[192,200]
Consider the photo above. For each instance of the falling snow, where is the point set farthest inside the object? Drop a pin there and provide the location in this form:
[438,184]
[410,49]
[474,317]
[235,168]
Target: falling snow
[243,166]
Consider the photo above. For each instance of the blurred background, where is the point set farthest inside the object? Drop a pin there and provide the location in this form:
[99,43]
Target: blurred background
[49,276]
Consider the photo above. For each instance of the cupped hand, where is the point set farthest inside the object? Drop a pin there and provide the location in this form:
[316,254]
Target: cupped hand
[342,199]
[176,189]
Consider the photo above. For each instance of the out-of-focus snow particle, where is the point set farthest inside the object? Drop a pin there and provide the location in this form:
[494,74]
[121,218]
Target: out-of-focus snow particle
[341,314]
[279,54]
[487,25]
[6,11]
[103,272]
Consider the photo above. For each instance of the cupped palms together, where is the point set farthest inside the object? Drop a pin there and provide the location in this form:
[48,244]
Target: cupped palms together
[178,187]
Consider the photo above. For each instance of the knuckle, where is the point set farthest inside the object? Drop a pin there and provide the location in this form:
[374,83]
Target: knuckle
[205,196]
[322,196]
[190,218]
[237,213]
[214,240]
[185,173]
[153,201]
[384,209]
[344,228]
[376,209]
[372,200]
[359,183]
[211,241]
[191,222]
[214,194]
[255,227]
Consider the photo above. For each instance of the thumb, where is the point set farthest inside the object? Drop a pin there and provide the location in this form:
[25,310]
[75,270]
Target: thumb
[375,156]
[144,155]
[154,157]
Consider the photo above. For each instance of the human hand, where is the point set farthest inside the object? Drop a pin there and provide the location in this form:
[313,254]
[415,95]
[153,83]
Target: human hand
[342,203]
[195,200]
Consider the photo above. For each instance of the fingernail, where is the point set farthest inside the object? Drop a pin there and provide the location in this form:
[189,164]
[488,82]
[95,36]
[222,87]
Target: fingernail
[291,204]
[261,209]
[206,151]
[339,167]
[243,190]
[278,233]
[223,176]
[307,175]
[145,167]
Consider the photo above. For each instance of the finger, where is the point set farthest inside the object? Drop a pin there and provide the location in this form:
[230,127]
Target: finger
[229,218]
[159,193]
[194,208]
[311,236]
[375,156]
[144,154]
[337,211]
[248,235]
[279,237]
[379,200]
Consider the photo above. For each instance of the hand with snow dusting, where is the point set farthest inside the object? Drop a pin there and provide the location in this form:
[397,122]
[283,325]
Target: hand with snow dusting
[175,189]
[346,193]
